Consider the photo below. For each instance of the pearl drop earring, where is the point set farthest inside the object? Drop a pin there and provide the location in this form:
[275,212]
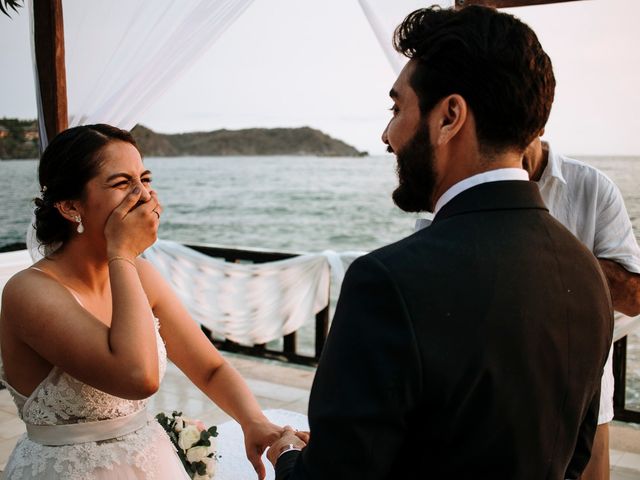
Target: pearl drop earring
[78,219]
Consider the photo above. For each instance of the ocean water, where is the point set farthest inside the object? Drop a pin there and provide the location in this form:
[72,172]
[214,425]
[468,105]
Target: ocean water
[300,204]
[280,203]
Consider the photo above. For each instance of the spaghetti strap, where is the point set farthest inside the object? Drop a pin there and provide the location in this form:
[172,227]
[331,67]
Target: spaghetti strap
[71,291]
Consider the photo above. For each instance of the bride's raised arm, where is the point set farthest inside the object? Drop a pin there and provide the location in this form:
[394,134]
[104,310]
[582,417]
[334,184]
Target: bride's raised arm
[39,311]
[195,355]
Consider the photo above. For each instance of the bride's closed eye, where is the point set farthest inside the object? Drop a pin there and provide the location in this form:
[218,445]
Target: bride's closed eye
[123,183]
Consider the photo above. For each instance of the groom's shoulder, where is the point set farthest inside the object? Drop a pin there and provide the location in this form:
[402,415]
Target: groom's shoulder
[419,245]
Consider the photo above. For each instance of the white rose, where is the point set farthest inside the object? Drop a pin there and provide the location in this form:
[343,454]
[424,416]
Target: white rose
[212,447]
[211,466]
[179,424]
[197,454]
[188,436]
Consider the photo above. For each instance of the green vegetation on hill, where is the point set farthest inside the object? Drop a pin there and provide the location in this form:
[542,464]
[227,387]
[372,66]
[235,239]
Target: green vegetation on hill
[252,141]
[19,139]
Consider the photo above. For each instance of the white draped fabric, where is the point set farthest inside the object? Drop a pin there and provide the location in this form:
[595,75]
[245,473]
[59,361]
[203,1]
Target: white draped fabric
[42,131]
[384,16]
[248,303]
[11,263]
[115,78]
[114,75]
[195,274]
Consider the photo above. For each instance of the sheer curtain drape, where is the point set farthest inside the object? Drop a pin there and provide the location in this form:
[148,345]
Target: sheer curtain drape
[384,16]
[114,75]
[250,303]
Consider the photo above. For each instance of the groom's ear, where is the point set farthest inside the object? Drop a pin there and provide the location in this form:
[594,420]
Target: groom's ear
[68,209]
[448,118]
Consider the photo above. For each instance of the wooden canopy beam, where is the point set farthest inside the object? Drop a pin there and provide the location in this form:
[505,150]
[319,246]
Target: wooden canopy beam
[506,3]
[52,79]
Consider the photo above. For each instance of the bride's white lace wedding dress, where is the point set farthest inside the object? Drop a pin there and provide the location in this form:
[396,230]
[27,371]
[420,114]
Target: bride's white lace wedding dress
[76,432]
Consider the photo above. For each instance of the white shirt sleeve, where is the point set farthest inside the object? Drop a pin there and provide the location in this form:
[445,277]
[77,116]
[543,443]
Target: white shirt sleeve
[614,238]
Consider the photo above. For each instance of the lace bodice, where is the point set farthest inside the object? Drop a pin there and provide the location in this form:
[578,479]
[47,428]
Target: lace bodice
[61,399]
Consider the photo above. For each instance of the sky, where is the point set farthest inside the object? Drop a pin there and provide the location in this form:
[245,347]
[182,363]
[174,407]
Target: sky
[291,63]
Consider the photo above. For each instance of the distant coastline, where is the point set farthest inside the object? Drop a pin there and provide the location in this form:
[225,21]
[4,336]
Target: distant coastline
[19,140]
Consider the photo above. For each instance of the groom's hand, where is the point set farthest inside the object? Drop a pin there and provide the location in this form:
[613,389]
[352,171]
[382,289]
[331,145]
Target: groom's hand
[290,440]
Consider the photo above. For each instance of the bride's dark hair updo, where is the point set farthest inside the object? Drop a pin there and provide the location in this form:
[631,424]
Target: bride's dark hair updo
[68,163]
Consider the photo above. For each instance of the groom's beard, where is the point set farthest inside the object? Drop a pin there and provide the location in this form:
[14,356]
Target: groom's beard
[416,174]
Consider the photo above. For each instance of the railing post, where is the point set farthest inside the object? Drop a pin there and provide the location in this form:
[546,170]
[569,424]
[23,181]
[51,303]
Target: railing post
[620,410]
[619,375]
[289,346]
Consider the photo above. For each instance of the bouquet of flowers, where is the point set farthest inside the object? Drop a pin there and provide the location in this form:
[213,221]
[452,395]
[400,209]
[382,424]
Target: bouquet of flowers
[194,442]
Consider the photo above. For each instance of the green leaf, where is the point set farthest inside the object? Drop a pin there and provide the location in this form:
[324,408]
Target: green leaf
[201,468]
[5,5]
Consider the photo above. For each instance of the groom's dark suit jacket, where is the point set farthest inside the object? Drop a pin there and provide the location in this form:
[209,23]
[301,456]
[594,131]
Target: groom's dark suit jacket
[471,349]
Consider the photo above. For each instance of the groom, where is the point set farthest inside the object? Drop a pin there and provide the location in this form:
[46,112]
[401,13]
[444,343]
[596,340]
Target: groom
[473,348]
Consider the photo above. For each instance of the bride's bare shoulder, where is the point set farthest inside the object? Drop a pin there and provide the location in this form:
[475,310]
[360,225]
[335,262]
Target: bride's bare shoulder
[31,290]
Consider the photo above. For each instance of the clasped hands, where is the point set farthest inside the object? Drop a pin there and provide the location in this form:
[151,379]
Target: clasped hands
[290,439]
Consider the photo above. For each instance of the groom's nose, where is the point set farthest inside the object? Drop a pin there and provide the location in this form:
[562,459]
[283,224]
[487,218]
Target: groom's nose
[385,139]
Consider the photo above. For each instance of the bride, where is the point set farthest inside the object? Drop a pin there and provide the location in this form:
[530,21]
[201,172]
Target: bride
[85,332]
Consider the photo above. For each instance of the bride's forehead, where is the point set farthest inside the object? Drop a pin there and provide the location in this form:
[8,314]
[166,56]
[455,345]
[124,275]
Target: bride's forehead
[120,157]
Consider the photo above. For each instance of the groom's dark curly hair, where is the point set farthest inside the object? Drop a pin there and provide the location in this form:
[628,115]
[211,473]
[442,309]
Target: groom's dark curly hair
[492,59]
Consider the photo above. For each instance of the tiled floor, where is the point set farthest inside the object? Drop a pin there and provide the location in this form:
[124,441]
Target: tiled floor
[625,465]
[285,387]
[274,384]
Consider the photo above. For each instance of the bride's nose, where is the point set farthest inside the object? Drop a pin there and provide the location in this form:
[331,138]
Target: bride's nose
[145,196]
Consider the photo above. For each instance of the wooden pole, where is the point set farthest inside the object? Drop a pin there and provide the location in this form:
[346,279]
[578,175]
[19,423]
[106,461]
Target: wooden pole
[506,3]
[52,79]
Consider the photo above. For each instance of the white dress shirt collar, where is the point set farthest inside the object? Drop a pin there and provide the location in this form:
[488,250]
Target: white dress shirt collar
[497,175]
[553,168]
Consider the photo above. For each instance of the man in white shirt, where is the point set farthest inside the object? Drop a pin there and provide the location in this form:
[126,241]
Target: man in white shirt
[589,204]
